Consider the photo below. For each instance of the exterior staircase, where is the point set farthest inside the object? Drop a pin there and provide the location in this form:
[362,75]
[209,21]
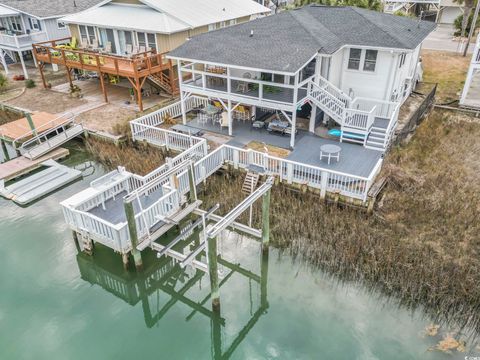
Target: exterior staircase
[357,117]
[47,141]
[162,82]
[250,183]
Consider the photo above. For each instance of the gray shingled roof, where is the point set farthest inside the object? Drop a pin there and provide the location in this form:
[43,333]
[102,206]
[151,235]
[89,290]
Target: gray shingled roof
[285,42]
[49,8]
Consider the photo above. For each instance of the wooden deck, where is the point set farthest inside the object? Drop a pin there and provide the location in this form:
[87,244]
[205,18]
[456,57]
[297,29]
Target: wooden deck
[42,121]
[21,165]
[135,67]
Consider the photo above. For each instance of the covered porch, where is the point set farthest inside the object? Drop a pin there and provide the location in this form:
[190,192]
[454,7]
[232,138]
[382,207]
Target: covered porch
[354,159]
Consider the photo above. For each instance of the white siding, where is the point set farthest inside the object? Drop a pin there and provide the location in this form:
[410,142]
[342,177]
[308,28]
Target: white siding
[53,32]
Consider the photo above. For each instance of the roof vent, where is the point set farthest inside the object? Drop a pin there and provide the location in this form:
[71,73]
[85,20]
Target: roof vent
[251,33]
[74,3]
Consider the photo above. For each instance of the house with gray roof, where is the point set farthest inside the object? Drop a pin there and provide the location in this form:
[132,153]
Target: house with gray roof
[347,67]
[25,22]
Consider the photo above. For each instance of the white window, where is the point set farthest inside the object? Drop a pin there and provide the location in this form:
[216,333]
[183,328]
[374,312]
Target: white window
[34,24]
[233,22]
[147,40]
[370,60]
[211,27]
[61,25]
[354,59]
[223,24]
[402,60]
[87,33]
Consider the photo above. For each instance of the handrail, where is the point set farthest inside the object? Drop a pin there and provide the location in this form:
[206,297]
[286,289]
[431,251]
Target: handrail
[36,130]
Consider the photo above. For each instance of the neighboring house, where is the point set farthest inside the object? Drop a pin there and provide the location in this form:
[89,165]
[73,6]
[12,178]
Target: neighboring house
[157,24]
[440,11]
[127,39]
[24,22]
[355,66]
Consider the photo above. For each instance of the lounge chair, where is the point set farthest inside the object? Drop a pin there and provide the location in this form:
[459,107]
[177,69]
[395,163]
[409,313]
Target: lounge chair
[224,120]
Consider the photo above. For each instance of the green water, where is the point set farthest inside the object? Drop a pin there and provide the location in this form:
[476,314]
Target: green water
[57,304]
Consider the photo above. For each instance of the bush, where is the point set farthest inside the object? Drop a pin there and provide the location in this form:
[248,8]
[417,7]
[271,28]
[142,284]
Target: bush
[3,81]
[29,84]
[458,24]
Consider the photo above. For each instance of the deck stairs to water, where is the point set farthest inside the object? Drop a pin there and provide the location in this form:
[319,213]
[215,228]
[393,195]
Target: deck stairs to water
[51,139]
[250,183]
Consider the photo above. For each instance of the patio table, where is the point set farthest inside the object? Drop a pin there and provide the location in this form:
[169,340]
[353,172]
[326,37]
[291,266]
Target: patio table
[330,151]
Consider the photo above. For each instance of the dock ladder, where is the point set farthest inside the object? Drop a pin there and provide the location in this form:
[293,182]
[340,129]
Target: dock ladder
[250,183]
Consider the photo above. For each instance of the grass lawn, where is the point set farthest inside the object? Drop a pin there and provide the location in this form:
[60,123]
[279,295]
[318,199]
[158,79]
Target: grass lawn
[448,69]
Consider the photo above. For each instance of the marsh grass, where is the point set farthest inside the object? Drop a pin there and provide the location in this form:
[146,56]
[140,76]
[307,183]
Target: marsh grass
[136,158]
[422,244]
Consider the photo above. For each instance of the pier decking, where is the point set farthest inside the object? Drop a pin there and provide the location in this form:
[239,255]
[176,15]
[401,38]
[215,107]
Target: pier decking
[42,121]
[20,166]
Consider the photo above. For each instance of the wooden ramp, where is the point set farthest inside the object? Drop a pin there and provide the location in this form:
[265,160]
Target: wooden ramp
[21,165]
[42,121]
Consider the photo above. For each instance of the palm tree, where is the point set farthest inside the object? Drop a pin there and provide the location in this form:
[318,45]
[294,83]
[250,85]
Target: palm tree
[468,5]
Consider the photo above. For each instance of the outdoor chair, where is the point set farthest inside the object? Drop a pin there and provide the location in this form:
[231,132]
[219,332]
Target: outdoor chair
[129,49]
[242,85]
[95,44]
[83,44]
[135,50]
[108,48]
[141,49]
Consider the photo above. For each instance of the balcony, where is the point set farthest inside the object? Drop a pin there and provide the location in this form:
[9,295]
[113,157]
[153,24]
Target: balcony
[13,41]
[251,91]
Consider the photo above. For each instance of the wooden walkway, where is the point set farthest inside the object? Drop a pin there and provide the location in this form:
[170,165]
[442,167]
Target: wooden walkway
[21,165]
[42,120]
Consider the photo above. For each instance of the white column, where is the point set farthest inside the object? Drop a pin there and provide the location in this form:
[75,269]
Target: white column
[23,65]
[294,111]
[4,62]
[230,118]
[313,116]
[182,96]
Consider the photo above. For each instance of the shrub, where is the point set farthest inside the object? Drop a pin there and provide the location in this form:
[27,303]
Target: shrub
[29,84]
[3,81]
[458,24]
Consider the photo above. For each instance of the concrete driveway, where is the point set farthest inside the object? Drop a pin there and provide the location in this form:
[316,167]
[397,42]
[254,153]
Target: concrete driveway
[442,39]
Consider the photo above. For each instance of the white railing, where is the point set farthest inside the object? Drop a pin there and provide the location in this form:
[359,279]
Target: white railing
[392,124]
[174,110]
[167,205]
[58,121]
[359,119]
[19,41]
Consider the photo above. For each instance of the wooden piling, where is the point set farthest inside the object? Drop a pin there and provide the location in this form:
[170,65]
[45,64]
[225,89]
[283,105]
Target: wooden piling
[75,239]
[213,272]
[4,150]
[266,220]
[125,259]
[132,229]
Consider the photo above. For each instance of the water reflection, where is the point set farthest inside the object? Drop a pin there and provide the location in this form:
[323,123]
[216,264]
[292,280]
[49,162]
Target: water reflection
[164,276]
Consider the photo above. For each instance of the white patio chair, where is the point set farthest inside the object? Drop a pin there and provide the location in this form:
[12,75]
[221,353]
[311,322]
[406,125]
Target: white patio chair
[129,49]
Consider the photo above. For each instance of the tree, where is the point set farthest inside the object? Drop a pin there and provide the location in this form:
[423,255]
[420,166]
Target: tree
[468,5]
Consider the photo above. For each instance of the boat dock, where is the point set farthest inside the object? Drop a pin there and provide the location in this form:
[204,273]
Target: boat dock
[40,184]
[20,166]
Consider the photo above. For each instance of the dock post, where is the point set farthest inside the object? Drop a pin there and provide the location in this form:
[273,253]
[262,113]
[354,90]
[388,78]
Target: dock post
[4,150]
[266,220]
[191,181]
[75,239]
[132,229]
[213,272]
[31,124]
[125,260]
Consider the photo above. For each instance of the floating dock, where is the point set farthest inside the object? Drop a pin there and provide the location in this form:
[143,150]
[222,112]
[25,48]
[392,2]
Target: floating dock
[21,165]
[41,121]
[40,184]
